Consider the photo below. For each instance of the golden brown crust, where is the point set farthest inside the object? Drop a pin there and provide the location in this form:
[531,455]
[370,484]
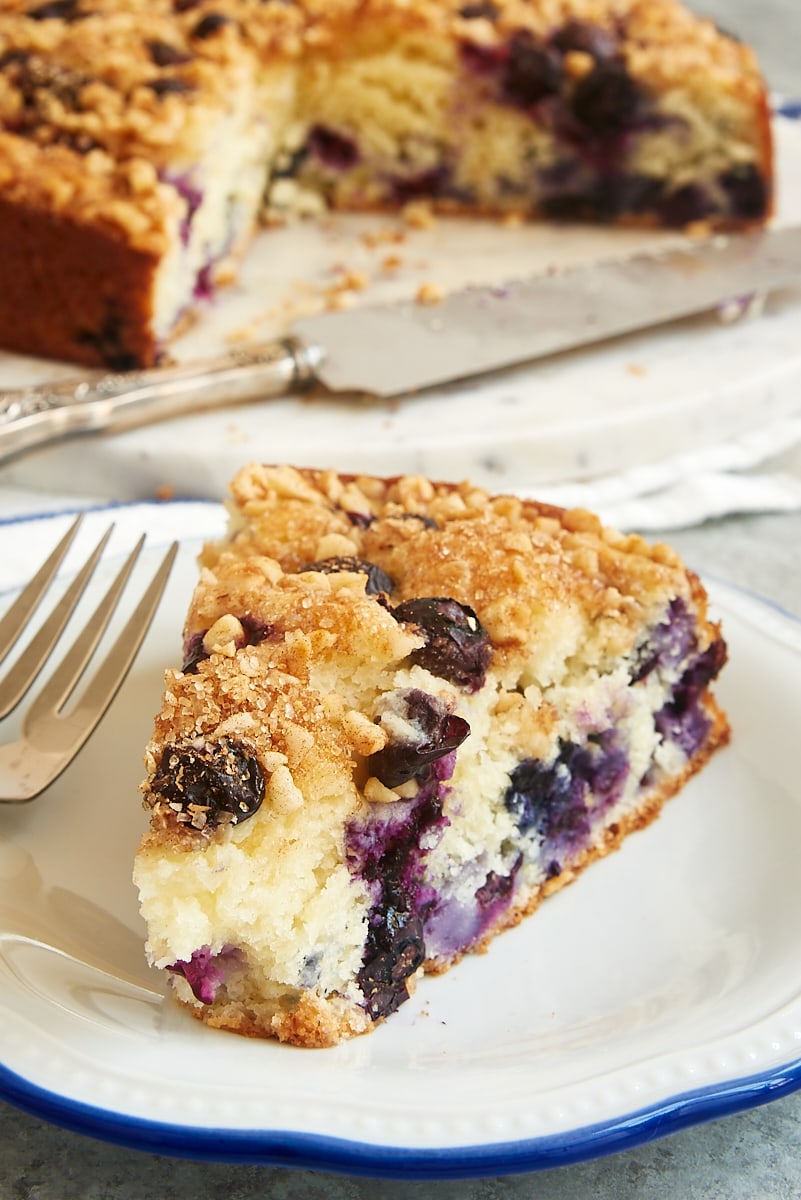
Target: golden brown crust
[310,1024]
[95,309]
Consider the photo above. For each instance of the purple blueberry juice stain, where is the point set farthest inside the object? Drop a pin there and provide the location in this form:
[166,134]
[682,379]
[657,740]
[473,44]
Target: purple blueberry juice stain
[192,194]
[686,725]
[453,926]
[670,643]
[203,288]
[482,60]
[556,804]
[387,852]
[206,972]
[683,720]
[435,182]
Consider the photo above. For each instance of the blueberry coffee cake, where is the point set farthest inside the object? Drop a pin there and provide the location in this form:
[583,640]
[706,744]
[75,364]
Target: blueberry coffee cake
[141,140]
[407,712]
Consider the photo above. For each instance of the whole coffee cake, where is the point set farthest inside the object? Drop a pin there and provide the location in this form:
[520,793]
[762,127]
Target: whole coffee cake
[407,712]
[141,140]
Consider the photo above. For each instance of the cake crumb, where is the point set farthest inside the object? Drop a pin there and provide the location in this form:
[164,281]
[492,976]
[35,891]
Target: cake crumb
[383,237]
[419,215]
[430,293]
[349,280]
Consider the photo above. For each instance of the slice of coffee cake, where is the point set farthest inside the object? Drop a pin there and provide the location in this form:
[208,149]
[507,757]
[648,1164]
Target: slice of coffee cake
[407,712]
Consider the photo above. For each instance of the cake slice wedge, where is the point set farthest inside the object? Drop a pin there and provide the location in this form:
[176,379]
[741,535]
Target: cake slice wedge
[407,712]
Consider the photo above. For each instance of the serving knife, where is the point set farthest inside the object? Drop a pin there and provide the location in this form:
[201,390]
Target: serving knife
[394,349]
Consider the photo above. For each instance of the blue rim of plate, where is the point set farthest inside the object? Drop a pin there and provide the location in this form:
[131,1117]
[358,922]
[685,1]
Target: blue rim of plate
[317,1152]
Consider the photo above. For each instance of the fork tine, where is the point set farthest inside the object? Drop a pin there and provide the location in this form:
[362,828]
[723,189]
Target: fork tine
[30,662]
[15,620]
[17,616]
[64,734]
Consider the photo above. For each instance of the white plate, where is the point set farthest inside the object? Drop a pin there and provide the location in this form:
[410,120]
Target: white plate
[628,402]
[662,990]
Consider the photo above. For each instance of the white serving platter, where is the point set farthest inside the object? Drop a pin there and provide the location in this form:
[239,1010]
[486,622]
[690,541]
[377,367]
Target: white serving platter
[629,402]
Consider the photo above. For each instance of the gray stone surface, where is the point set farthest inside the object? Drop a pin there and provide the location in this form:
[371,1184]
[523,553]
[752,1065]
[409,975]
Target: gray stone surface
[771,27]
[755,1155]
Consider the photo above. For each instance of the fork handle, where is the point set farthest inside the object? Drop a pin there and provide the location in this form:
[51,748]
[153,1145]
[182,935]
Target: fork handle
[30,417]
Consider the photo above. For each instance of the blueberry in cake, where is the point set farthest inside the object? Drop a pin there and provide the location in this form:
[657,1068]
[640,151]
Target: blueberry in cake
[141,139]
[407,712]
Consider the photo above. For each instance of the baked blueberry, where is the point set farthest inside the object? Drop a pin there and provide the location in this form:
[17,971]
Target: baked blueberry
[210,784]
[165,55]
[532,71]
[457,646]
[606,101]
[395,950]
[433,732]
[747,191]
[57,10]
[484,9]
[377,580]
[686,204]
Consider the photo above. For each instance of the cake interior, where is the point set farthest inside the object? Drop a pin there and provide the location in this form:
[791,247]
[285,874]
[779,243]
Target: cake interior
[553,124]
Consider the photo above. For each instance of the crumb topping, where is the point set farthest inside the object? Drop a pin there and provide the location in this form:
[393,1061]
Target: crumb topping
[285,652]
[98,98]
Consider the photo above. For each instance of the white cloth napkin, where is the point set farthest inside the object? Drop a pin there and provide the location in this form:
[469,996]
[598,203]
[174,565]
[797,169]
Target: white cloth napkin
[746,475]
[758,472]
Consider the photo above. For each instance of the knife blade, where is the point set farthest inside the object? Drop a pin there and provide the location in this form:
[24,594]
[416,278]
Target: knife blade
[393,349]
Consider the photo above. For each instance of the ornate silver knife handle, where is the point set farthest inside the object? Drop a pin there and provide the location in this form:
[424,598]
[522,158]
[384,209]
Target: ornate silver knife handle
[31,416]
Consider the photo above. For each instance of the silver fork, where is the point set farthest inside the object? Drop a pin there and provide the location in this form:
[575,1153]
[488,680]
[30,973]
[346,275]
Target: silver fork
[52,736]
